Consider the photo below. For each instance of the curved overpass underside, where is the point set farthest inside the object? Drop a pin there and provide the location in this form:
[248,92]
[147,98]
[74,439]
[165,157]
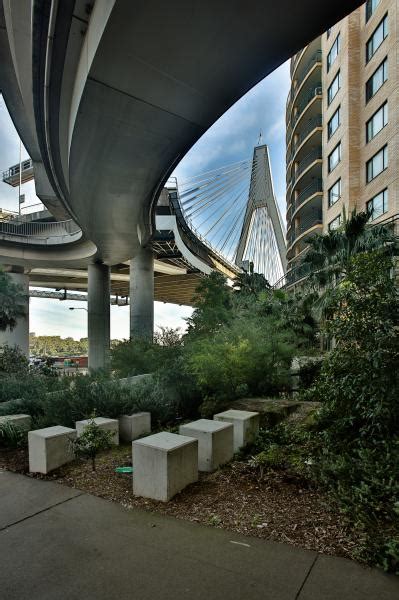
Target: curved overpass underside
[109,100]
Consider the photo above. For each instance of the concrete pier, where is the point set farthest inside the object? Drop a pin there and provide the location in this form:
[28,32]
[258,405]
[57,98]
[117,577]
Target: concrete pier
[98,307]
[142,295]
[19,336]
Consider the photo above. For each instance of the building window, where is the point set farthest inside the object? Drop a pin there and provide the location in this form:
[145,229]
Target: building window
[377,164]
[377,38]
[334,193]
[377,122]
[332,55]
[335,223]
[377,79]
[334,158]
[334,87]
[371,5]
[378,205]
[334,122]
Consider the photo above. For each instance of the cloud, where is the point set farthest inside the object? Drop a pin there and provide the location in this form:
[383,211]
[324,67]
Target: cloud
[232,138]
[234,135]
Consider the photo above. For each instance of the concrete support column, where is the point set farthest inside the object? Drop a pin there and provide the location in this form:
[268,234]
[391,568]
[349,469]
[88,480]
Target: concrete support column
[98,298]
[19,336]
[142,295]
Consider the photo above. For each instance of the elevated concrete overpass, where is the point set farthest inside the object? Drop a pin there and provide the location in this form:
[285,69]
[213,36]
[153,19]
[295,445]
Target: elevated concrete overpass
[108,96]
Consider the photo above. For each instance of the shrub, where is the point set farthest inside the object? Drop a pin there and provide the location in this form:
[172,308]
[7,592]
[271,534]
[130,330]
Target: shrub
[250,356]
[92,441]
[357,455]
[13,362]
[12,436]
[107,397]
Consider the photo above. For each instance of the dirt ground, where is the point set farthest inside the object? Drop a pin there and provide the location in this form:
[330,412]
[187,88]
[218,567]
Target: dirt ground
[278,507]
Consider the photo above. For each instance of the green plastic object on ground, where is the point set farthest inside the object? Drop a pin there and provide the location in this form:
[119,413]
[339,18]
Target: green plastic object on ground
[124,470]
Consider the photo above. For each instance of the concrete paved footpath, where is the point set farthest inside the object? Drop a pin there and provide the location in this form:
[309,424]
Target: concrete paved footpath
[57,543]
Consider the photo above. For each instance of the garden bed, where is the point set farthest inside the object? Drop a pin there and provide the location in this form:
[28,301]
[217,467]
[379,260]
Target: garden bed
[276,508]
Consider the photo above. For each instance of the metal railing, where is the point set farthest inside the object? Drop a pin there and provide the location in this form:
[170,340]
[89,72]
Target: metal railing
[187,223]
[312,93]
[308,128]
[41,230]
[14,170]
[315,154]
[304,226]
[315,187]
[293,275]
[303,71]
[308,224]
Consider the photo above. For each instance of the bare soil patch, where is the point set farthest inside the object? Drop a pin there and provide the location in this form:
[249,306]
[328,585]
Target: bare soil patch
[279,507]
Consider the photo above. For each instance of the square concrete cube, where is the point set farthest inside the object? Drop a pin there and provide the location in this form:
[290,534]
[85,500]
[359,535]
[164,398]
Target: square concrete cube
[131,427]
[215,442]
[50,448]
[246,425]
[164,464]
[23,421]
[103,423]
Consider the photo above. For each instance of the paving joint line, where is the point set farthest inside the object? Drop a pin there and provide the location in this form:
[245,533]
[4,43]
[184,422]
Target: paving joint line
[306,577]
[39,512]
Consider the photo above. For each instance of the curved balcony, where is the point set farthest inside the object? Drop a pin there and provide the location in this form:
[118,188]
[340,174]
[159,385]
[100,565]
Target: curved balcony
[311,94]
[295,60]
[302,74]
[315,188]
[49,233]
[311,126]
[306,227]
[313,156]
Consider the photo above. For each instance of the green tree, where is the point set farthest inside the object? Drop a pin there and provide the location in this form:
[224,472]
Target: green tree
[358,453]
[54,345]
[250,284]
[12,302]
[330,254]
[213,303]
[13,363]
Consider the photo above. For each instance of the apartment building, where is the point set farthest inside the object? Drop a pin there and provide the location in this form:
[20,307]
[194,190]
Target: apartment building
[343,124]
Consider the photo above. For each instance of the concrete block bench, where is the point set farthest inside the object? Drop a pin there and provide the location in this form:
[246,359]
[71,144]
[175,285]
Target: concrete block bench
[164,464]
[23,421]
[50,448]
[103,423]
[215,442]
[131,427]
[246,425]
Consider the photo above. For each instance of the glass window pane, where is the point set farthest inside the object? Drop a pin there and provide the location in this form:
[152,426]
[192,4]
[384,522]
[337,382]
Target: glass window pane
[334,122]
[377,122]
[377,38]
[378,205]
[335,223]
[334,87]
[332,55]
[334,193]
[377,164]
[334,157]
[371,5]
[376,80]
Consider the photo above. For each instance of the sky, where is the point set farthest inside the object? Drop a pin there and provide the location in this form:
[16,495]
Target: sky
[230,139]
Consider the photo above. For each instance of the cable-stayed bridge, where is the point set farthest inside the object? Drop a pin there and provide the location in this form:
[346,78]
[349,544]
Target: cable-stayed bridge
[107,104]
[233,211]
[225,219]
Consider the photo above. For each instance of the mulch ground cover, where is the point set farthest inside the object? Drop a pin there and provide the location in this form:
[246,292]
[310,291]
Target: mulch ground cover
[278,507]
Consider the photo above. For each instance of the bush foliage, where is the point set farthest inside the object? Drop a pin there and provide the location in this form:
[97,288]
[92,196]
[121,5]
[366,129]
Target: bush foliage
[358,456]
